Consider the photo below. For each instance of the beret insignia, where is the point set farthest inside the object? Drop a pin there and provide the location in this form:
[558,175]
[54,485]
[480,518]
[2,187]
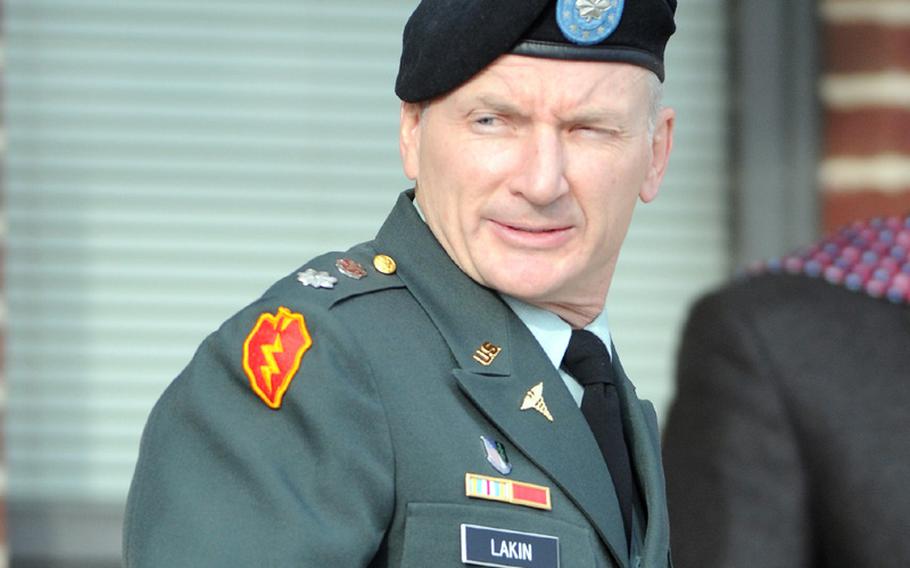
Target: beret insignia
[588,22]
[272,353]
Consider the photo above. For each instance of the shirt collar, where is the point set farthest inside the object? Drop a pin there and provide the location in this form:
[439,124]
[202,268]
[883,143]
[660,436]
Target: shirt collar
[552,332]
[419,210]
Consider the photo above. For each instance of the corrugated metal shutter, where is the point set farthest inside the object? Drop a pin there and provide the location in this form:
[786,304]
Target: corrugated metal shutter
[170,159]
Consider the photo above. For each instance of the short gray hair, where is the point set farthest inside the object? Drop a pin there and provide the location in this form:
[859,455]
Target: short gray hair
[655,104]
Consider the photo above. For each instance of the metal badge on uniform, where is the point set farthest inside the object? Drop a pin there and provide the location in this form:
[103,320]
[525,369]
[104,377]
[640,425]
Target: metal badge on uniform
[588,22]
[496,455]
[272,352]
[350,268]
[501,548]
[486,353]
[534,399]
[316,278]
[489,488]
[384,264]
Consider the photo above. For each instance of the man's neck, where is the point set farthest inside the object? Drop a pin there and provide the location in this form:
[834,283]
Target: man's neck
[577,316]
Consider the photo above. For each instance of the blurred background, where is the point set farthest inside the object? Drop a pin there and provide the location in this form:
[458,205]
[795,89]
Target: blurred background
[164,161]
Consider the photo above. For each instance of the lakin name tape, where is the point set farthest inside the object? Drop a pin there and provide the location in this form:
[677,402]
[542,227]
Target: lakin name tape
[508,491]
[487,546]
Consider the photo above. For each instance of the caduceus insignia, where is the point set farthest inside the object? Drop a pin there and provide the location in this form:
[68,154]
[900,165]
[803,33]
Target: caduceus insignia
[534,399]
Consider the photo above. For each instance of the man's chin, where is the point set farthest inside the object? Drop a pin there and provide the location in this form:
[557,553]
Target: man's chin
[529,291]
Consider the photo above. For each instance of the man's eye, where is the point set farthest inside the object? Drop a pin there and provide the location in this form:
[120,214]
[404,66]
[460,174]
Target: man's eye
[487,121]
[598,131]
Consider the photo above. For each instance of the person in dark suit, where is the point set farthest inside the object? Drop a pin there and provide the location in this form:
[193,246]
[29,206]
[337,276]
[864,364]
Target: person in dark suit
[445,394]
[788,444]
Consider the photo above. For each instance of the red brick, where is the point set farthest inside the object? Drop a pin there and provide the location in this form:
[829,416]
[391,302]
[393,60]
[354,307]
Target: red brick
[863,47]
[867,132]
[841,208]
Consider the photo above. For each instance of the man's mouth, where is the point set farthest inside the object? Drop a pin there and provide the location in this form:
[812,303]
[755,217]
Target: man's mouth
[530,236]
[532,229]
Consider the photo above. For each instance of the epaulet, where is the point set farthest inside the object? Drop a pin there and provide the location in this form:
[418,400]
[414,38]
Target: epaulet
[334,277]
[277,329]
[870,257]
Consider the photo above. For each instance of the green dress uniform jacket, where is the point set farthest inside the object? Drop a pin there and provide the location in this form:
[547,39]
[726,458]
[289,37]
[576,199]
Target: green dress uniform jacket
[364,462]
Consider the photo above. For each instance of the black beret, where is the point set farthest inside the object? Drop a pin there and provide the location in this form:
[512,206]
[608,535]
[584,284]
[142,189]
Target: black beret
[446,42]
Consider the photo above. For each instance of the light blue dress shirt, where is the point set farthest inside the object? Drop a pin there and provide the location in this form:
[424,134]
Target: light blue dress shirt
[553,334]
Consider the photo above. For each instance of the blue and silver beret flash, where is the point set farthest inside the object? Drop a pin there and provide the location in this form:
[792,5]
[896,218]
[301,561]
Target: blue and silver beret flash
[588,22]
[446,42]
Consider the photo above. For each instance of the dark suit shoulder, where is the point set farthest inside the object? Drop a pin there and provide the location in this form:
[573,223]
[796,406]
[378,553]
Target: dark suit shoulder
[784,301]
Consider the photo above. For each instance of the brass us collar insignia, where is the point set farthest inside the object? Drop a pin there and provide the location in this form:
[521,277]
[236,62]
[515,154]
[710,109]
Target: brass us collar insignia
[272,353]
[486,353]
[479,486]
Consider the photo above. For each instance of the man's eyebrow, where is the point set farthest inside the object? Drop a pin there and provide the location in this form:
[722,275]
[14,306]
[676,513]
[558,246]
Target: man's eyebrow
[596,116]
[498,104]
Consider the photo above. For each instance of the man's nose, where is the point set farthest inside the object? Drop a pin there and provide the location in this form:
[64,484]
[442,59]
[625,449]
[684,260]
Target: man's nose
[542,179]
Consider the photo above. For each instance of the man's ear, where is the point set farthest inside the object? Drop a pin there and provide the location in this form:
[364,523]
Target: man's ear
[409,138]
[661,145]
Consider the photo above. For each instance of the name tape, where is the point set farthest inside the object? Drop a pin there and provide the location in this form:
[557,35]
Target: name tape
[500,548]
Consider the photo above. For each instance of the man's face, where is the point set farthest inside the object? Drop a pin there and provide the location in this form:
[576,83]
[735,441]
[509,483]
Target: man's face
[529,173]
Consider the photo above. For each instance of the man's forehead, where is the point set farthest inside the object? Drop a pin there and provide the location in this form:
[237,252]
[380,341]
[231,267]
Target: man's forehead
[512,65]
[512,77]
[447,42]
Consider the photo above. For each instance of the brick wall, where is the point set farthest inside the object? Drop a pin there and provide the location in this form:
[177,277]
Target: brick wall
[865,171]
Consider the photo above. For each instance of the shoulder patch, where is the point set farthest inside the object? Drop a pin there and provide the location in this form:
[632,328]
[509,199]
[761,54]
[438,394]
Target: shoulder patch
[272,353]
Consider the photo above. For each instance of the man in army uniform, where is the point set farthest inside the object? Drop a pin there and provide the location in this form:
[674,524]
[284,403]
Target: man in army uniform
[445,394]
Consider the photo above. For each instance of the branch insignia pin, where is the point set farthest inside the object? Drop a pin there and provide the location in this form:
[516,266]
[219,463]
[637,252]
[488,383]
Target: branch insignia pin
[534,400]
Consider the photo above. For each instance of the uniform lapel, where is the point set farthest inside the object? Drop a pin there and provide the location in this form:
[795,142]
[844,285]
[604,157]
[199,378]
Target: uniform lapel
[468,315]
[565,449]
[640,420]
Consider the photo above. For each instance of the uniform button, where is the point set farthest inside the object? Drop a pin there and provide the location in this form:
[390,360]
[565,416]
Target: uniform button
[384,264]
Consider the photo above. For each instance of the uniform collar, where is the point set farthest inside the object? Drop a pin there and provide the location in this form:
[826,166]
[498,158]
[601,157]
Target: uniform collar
[552,332]
[437,283]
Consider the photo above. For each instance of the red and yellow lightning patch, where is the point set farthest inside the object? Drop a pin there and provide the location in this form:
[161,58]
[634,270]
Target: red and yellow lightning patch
[272,353]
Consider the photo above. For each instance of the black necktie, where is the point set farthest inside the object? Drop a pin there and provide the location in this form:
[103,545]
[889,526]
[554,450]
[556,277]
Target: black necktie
[587,360]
